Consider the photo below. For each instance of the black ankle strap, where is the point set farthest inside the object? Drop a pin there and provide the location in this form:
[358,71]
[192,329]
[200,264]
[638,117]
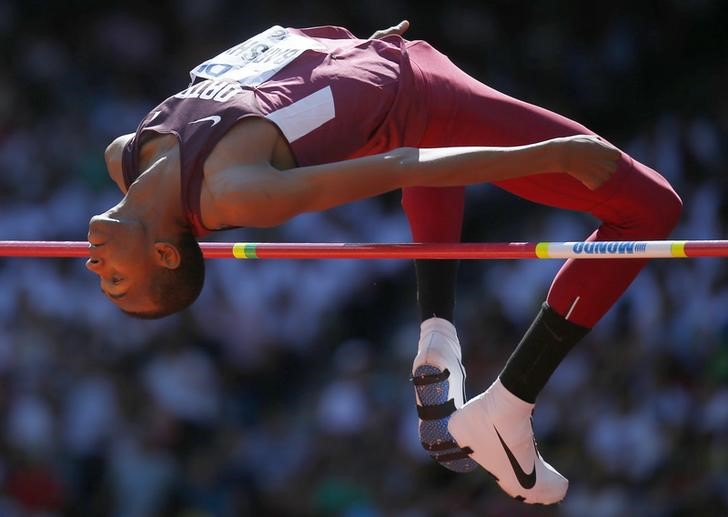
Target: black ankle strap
[424,380]
[436,412]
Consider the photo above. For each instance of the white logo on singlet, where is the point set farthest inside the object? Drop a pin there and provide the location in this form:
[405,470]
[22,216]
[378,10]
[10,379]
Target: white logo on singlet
[215,119]
[257,59]
[154,115]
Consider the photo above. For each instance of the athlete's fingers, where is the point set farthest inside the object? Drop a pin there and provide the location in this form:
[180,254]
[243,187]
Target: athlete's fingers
[398,30]
[590,159]
[601,174]
[594,175]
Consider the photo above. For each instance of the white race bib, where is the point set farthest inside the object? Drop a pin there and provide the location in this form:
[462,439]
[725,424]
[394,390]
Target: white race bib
[258,59]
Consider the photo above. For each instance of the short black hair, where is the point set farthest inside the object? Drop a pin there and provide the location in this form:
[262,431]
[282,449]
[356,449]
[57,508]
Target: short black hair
[175,289]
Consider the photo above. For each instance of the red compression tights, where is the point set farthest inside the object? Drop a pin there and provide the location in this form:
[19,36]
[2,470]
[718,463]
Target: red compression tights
[635,204]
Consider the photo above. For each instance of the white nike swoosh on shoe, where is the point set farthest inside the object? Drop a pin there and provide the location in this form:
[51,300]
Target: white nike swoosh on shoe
[215,119]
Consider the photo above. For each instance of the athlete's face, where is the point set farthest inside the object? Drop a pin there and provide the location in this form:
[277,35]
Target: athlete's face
[121,254]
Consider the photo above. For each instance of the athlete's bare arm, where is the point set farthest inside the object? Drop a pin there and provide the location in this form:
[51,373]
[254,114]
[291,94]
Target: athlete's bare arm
[112,156]
[243,187]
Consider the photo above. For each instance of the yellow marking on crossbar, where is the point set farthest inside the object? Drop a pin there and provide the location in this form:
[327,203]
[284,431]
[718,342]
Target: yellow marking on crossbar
[542,250]
[677,249]
[244,250]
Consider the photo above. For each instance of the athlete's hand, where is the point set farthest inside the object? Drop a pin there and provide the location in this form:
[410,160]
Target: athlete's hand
[397,30]
[588,158]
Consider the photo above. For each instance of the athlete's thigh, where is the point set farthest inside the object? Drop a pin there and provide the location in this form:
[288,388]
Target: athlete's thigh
[464,111]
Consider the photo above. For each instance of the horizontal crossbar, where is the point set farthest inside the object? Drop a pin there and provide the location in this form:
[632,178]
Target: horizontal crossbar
[478,251]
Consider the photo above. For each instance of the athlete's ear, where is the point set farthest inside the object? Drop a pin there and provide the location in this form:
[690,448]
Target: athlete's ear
[167,255]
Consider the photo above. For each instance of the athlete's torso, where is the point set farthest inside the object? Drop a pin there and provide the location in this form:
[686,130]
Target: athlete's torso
[330,96]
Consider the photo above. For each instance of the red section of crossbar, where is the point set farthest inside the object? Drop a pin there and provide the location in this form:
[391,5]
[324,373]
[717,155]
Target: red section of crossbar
[318,250]
[706,248]
[56,249]
[510,250]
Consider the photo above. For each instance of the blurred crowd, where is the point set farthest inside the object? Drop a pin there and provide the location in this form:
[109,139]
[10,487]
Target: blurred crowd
[284,390]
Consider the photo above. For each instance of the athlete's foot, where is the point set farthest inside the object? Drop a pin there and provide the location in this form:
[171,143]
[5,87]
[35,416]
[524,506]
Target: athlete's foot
[439,380]
[497,426]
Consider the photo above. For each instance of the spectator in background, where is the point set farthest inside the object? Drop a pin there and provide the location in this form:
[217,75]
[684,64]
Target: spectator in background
[42,336]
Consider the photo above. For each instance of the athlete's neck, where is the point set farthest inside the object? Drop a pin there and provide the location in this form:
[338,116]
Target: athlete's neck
[154,198]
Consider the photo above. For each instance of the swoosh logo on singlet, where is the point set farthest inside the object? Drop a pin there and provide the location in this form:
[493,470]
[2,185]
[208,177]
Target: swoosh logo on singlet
[215,119]
[526,480]
[154,115]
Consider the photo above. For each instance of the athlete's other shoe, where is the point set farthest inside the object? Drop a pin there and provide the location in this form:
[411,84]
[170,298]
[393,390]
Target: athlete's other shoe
[497,426]
[439,379]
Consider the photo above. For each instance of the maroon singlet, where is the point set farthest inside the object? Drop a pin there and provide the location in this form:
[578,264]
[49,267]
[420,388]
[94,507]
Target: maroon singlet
[339,99]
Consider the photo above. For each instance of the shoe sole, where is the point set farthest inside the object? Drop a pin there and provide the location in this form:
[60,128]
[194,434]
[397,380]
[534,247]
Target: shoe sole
[434,435]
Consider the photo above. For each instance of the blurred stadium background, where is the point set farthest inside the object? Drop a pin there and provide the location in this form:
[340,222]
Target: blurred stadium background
[284,390]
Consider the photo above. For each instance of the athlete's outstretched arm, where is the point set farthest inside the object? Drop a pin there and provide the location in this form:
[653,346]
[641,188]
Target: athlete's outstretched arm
[257,194]
[587,158]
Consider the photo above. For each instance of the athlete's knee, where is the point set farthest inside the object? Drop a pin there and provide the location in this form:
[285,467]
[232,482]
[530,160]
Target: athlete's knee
[660,210]
[673,209]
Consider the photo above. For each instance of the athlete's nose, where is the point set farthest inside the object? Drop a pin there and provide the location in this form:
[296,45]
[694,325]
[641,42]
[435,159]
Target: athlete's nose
[94,264]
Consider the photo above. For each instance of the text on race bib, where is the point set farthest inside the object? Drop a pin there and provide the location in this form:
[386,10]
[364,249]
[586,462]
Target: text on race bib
[257,59]
[219,91]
